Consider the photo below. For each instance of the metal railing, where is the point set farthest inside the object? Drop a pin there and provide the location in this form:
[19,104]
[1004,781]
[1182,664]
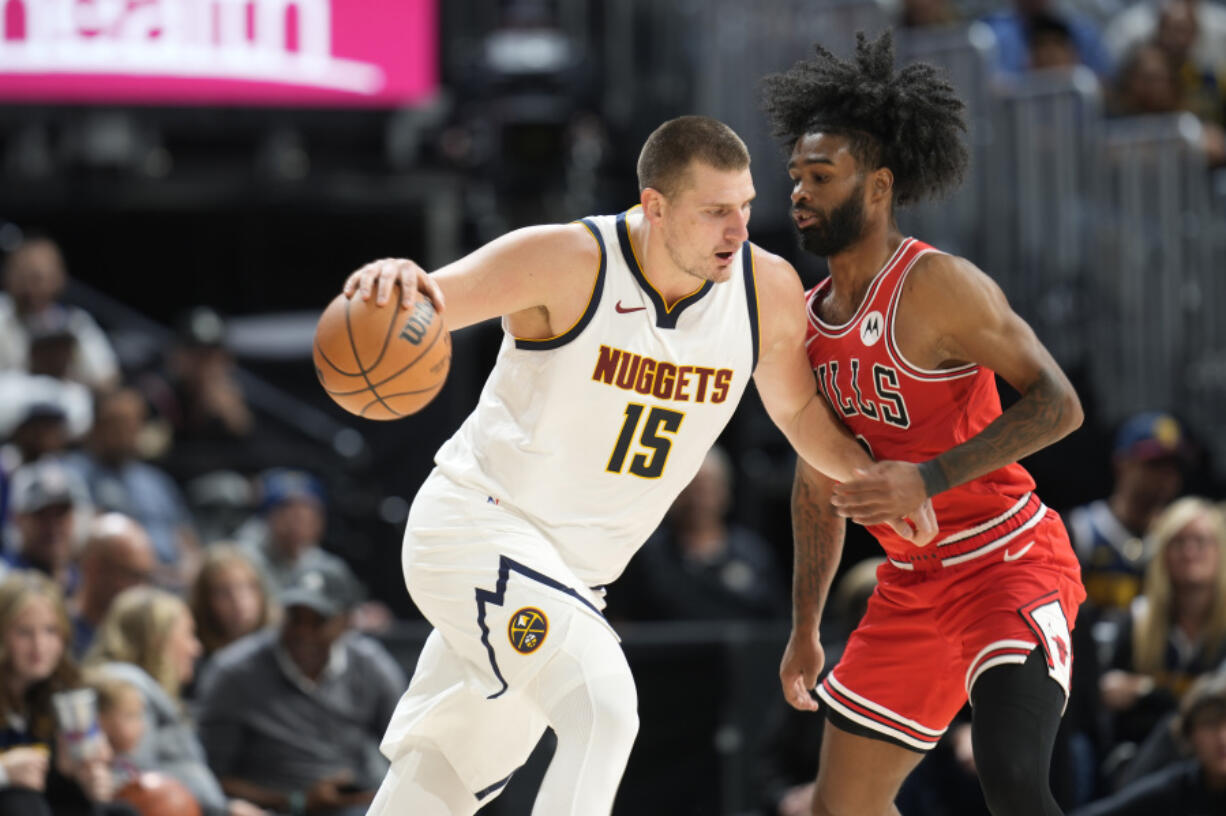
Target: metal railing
[1043,166]
[965,53]
[1155,265]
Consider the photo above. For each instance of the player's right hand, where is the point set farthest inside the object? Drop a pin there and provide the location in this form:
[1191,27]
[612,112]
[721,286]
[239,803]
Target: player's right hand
[378,277]
[920,527]
[802,662]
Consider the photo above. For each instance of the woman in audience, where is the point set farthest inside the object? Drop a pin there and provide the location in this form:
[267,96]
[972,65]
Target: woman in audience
[148,638]
[38,775]
[1177,630]
[229,598]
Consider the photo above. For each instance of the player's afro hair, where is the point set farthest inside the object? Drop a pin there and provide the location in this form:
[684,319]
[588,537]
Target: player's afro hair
[910,121]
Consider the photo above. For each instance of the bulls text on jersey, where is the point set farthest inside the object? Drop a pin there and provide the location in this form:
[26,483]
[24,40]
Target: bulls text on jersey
[888,407]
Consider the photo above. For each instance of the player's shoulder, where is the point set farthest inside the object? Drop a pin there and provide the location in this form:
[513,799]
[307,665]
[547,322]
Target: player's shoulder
[574,238]
[935,265]
[940,276]
[775,276]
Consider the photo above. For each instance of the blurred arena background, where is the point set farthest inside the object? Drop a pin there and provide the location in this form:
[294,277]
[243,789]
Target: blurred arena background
[250,170]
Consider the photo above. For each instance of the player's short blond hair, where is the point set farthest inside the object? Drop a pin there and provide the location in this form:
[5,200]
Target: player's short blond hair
[671,148]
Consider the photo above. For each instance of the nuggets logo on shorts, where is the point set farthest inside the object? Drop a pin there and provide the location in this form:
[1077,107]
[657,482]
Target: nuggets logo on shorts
[527,630]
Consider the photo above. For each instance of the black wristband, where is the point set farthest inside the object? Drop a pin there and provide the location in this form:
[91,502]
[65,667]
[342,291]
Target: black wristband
[935,480]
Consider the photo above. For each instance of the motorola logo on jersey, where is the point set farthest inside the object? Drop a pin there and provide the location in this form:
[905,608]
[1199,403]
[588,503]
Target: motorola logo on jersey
[662,380]
[870,328]
[527,630]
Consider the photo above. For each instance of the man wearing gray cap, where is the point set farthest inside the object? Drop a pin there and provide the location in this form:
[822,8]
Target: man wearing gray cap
[291,718]
[45,499]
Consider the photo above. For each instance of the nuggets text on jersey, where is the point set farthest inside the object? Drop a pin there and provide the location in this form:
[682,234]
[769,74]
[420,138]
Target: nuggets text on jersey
[662,380]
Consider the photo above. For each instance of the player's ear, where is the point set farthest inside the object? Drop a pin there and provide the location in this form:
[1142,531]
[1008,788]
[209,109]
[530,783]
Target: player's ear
[653,202]
[881,183]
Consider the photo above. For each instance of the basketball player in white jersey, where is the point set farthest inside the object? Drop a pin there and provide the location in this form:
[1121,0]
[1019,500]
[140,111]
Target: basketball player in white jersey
[629,342]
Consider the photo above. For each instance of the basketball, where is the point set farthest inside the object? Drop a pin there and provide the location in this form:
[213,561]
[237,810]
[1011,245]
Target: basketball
[381,362]
[156,794]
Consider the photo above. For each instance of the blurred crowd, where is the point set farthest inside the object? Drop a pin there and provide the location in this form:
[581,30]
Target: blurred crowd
[158,548]
[153,551]
[1150,56]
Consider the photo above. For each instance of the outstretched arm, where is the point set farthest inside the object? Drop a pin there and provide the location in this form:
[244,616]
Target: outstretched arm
[789,393]
[818,535]
[969,320]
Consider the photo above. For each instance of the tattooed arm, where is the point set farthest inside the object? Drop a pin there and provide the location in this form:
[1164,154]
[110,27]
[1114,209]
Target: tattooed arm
[1046,412]
[950,314]
[818,534]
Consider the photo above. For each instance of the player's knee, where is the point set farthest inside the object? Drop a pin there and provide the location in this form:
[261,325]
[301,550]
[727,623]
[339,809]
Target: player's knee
[587,691]
[617,708]
[422,782]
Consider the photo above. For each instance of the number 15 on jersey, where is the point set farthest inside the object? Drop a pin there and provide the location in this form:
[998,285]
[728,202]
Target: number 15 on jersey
[648,464]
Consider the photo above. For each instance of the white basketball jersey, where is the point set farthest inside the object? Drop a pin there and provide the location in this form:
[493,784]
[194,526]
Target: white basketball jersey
[591,434]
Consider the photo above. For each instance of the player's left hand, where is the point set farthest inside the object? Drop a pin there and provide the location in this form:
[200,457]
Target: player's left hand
[882,492]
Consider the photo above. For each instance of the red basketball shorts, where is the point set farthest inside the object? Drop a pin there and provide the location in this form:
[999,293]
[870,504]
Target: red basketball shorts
[929,634]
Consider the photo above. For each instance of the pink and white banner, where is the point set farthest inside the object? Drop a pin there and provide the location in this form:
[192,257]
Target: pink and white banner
[305,53]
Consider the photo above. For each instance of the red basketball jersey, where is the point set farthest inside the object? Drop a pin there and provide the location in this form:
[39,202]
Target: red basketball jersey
[911,414]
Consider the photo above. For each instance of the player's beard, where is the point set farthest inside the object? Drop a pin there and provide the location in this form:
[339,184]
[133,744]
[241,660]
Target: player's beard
[838,229]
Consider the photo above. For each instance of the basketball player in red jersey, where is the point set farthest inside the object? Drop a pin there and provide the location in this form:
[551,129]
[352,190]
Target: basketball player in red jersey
[905,341]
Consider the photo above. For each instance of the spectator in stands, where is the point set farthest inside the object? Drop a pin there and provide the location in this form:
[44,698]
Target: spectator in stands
[698,566]
[1195,787]
[1051,45]
[1200,89]
[38,775]
[1148,85]
[928,13]
[199,395]
[46,499]
[117,556]
[34,279]
[119,480]
[289,533]
[1138,23]
[1178,628]
[42,431]
[287,537]
[121,716]
[292,718]
[229,598]
[1015,27]
[221,502]
[148,639]
[1109,534]
[1145,84]
[24,389]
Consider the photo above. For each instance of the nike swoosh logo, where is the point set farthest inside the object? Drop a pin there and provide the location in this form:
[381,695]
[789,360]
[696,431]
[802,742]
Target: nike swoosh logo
[623,310]
[1009,556]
